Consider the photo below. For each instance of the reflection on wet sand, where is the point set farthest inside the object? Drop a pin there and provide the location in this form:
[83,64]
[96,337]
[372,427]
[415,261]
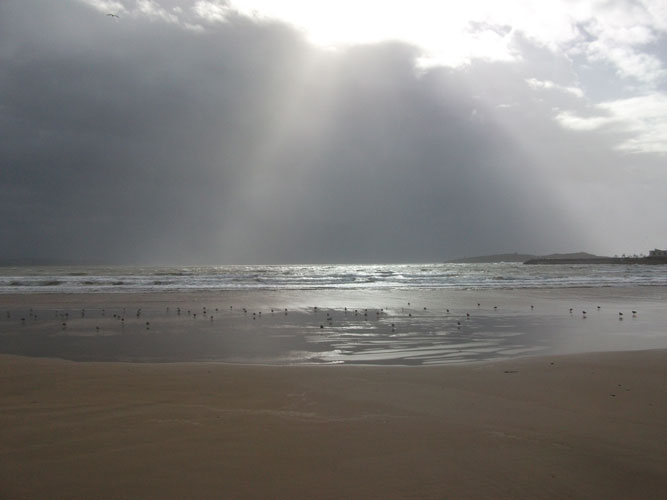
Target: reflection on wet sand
[428,327]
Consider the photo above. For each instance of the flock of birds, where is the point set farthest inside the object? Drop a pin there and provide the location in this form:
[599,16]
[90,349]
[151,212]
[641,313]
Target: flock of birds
[65,317]
[620,313]
[417,334]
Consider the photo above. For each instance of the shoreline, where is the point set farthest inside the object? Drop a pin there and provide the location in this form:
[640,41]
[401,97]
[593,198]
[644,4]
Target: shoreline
[575,426]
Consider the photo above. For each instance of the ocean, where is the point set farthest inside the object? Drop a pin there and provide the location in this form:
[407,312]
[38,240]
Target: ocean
[101,279]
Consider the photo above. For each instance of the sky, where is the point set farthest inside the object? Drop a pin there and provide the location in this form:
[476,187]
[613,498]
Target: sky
[264,132]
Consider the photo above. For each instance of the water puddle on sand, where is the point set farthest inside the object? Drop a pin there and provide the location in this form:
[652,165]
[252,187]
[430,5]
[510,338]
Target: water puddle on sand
[394,335]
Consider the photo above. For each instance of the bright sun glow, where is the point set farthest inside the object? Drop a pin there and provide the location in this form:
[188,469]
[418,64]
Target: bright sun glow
[448,33]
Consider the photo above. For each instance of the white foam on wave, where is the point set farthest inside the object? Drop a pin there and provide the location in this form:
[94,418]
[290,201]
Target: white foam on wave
[312,277]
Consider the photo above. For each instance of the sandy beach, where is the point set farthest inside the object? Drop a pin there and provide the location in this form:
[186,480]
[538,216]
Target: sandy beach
[589,425]
[586,426]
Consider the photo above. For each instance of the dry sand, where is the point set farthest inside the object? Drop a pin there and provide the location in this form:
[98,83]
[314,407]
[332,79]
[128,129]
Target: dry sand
[579,426]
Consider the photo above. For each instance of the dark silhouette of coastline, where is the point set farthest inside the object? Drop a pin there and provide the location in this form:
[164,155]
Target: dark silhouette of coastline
[561,258]
[599,260]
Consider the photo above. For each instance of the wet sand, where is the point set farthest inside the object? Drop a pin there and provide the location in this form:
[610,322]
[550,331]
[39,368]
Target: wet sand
[579,426]
[413,327]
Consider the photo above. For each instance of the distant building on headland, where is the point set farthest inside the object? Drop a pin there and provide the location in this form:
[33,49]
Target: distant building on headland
[657,253]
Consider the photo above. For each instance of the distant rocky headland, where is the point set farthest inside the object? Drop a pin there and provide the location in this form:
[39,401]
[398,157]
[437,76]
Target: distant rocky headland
[560,258]
[599,260]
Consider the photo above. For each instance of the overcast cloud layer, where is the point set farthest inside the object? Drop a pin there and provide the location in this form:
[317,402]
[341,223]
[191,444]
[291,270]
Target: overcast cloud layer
[206,132]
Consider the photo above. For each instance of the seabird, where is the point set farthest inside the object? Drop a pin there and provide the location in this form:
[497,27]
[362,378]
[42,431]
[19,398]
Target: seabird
[113,15]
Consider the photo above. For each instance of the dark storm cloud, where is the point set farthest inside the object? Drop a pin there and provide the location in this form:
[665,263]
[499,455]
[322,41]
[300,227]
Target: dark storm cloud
[136,141]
